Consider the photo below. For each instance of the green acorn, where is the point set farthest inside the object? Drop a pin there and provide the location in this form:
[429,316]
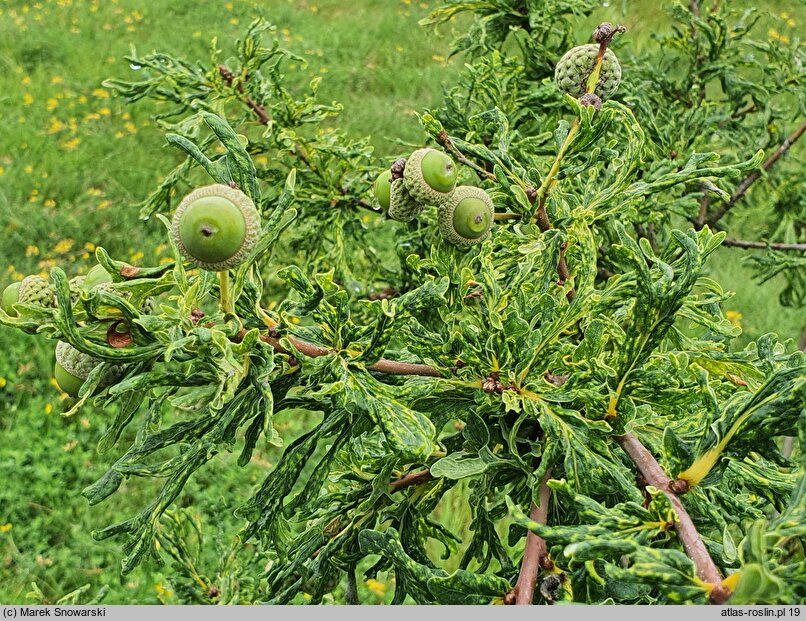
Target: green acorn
[430,176]
[37,290]
[73,367]
[215,227]
[572,72]
[402,206]
[382,189]
[11,296]
[467,216]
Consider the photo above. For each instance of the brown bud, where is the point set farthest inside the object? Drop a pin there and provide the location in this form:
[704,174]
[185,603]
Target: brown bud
[591,99]
[397,168]
[605,31]
[678,486]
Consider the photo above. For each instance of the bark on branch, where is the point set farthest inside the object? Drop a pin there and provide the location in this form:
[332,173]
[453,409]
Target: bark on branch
[535,552]
[391,367]
[739,243]
[692,543]
[412,478]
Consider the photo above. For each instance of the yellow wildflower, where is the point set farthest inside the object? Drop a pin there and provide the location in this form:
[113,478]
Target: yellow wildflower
[378,588]
[734,317]
[63,246]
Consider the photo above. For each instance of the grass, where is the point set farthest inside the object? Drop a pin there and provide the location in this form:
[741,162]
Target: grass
[74,161]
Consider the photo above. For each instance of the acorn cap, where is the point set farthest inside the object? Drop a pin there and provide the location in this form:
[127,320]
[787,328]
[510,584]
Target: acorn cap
[430,176]
[11,296]
[467,216]
[37,290]
[572,72]
[78,365]
[215,227]
[402,206]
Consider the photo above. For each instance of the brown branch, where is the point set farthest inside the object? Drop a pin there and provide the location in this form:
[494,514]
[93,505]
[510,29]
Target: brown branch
[702,213]
[447,143]
[738,115]
[544,224]
[390,367]
[739,243]
[692,543]
[753,176]
[535,552]
[259,110]
[412,478]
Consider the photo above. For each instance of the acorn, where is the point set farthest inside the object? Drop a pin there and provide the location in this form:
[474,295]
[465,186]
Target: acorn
[11,296]
[430,176]
[382,189]
[37,290]
[402,206]
[572,72]
[215,227]
[73,367]
[467,216]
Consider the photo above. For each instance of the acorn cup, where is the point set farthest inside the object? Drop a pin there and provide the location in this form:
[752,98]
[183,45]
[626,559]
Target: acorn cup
[38,291]
[73,367]
[429,176]
[402,206]
[215,227]
[467,216]
[576,65]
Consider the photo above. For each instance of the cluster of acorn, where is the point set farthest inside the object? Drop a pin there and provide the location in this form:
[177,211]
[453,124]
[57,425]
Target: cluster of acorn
[214,228]
[428,177]
[72,366]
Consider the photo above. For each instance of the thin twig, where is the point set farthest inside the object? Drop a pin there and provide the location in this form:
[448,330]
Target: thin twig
[544,224]
[506,215]
[535,552]
[753,176]
[692,543]
[391,367]
[702,213]
[412,478]
[259,110]
[447,143]
[739,243]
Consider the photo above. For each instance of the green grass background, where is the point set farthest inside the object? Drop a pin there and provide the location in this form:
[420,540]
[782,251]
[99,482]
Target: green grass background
[73,163]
